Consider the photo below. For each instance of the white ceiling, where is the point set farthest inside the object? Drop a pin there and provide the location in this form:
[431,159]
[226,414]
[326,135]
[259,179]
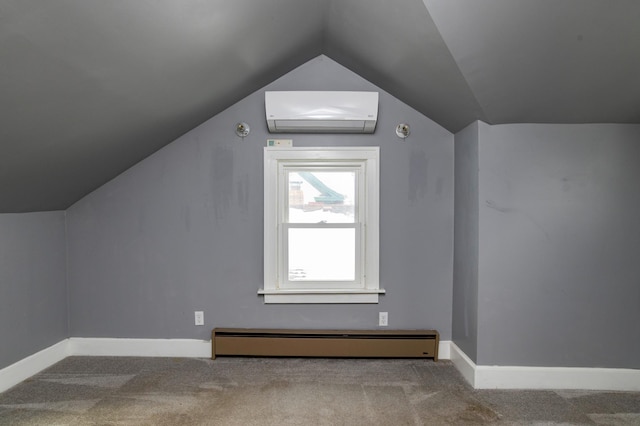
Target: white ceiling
[131,76]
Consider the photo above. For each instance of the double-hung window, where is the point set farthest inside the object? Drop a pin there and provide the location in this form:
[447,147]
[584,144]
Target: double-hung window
[321,225]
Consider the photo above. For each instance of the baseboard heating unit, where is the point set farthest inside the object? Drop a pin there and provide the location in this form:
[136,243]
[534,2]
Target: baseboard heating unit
[325,343]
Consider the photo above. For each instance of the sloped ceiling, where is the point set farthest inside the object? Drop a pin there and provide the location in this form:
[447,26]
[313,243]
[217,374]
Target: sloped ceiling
[90,87]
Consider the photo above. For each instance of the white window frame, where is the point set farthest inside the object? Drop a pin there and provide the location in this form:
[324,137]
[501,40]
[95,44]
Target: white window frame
[277,287]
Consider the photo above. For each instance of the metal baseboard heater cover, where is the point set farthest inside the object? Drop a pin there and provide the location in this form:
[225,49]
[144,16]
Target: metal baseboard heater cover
[325,343]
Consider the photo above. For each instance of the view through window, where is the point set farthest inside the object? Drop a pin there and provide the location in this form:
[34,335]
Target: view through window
[321,225]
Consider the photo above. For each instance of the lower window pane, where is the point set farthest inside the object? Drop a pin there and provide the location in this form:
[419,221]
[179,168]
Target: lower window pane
[322,254]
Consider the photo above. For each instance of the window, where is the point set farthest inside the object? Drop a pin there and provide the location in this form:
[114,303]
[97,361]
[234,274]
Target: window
[321,225]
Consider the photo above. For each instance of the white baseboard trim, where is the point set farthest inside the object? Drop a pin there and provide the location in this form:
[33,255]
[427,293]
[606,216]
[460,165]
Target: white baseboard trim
[605,379]
[463,363]
[513,377]
[27,367]
[33,364]
[444,349]
[183,348]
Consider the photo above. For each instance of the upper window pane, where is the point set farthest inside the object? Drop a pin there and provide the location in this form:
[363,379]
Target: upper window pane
[321,196]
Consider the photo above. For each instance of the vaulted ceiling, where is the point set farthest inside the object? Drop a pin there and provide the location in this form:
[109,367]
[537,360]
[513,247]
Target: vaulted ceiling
[90,87]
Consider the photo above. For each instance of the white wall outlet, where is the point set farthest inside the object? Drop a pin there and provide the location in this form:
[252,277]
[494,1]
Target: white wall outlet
[383,319]
[199,317]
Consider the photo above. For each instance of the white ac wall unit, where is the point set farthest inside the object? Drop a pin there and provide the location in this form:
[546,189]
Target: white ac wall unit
[321,112]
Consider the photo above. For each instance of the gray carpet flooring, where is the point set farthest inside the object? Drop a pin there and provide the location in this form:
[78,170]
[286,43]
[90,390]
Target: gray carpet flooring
[290,391]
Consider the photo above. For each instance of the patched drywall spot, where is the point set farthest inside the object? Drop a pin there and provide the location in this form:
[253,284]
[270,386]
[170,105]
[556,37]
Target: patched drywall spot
[537,225]
[163,170]
[222,180]
[493,205]
[186,215]
[142,219]
[242,190]
[418,167]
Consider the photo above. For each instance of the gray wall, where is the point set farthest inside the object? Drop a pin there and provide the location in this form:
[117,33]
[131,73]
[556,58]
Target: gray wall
[546,236]
[559,276]
[33,295]
[466,234]
[182,230]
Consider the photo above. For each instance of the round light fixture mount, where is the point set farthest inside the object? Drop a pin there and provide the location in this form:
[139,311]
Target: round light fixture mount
[242,129]
[403,130]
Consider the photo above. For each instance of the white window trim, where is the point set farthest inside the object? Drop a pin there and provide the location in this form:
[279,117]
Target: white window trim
[272,291]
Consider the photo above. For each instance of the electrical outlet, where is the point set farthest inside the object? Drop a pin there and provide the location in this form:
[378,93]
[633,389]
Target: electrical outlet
[199,317]
[383,319]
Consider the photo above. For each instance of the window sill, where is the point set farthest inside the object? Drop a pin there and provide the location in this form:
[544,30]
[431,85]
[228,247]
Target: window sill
[321,296]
